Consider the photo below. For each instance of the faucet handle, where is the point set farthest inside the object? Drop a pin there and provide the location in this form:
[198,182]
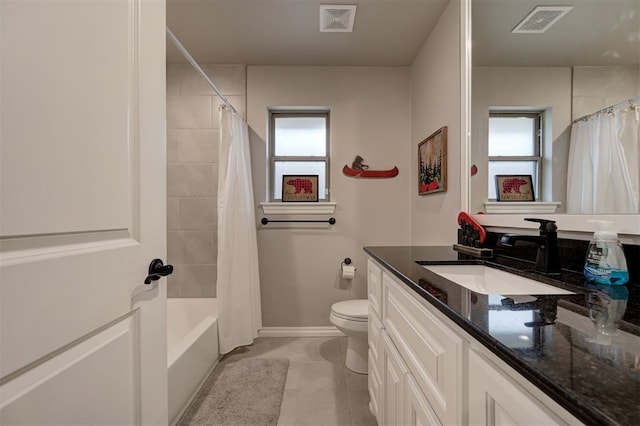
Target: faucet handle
[545,225]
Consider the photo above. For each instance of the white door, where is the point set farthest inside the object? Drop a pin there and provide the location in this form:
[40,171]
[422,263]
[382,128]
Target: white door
[82,212]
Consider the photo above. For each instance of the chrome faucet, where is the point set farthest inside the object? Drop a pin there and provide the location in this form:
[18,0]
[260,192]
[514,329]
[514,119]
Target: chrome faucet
[548,257]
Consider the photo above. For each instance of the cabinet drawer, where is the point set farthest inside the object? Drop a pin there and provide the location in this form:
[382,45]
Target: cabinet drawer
[431,350]
[374,286]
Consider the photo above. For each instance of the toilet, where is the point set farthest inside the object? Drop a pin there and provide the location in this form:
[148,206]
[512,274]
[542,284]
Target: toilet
[351,318]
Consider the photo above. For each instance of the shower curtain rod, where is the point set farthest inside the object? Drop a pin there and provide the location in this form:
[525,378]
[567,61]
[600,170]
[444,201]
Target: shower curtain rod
[630,101]
[195,65]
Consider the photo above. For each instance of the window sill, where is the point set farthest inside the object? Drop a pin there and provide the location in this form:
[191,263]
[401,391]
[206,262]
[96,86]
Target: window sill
[521,207]
[298,208]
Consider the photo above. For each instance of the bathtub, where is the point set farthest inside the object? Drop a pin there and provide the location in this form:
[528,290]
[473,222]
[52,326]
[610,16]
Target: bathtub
[192,349]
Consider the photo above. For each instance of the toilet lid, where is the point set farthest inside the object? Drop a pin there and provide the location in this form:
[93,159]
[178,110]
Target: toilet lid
[355,310]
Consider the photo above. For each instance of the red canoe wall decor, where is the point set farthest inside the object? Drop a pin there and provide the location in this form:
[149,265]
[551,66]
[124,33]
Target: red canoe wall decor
[380,174]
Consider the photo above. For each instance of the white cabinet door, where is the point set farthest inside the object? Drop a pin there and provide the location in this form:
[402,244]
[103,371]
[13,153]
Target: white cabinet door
[374,287]
[375,389]
[375,363]
[374,292]
[82,212]
[496,400]
[394,372]
[418,410]
[432,350]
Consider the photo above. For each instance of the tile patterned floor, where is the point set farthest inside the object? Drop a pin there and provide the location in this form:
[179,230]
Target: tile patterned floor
[320,390]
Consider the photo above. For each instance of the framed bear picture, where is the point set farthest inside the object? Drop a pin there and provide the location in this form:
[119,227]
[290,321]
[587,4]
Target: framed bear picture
[299,188]
[514,188]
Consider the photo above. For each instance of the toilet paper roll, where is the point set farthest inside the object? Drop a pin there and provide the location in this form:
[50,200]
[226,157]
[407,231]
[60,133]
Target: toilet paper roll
[348,271]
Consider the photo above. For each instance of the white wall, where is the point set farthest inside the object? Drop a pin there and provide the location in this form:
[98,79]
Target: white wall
[435,102]
[595,88]
[532,88]
[370,117]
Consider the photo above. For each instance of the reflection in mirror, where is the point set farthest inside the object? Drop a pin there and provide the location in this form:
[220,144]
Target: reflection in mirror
[578,70]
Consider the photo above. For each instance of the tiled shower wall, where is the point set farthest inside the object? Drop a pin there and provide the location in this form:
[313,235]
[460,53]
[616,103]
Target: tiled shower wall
[192,172]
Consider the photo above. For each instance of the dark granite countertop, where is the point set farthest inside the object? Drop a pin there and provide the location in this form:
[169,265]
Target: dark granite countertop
[593,375]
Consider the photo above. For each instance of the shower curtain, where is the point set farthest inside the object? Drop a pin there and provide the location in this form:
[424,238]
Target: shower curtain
[238,291]
[603,175]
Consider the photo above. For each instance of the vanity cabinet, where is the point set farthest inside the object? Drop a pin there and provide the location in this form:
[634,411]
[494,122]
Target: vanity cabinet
[403,401]
[375,361]
[425,370]
[374,287]
[418,412]
[414,364]
[495,399]
[394,379]
[432,351]
[375,358]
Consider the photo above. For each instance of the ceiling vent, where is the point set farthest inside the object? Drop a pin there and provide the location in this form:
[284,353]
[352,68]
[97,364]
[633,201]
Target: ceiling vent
[337,18]
[541,19]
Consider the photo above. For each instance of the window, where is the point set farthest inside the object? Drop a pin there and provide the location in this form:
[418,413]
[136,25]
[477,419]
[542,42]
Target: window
[299,145]
[514,147]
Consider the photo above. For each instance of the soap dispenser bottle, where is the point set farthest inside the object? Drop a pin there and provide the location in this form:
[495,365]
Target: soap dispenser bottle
[605,262]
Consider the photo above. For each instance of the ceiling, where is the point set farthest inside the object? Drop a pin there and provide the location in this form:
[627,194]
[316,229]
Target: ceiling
[391,32]
[594,32]
[286,32]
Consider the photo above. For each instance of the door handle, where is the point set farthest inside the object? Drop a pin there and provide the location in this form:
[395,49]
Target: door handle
[158,269]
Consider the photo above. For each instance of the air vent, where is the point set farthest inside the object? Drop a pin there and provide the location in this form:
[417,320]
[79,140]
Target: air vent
[541,19]
[337,18]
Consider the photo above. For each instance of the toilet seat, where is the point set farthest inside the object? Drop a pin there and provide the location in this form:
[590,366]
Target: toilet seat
[351,310]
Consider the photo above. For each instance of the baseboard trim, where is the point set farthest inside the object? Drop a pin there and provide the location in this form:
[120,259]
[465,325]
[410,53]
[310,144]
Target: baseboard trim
[329,331]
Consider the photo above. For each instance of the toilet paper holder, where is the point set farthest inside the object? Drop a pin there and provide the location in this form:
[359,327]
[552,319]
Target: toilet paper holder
[347,270]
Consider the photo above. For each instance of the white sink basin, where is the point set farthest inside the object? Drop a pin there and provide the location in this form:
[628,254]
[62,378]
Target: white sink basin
[485,280]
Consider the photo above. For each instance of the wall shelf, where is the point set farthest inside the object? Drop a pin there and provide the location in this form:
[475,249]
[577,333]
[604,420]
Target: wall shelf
[271,208]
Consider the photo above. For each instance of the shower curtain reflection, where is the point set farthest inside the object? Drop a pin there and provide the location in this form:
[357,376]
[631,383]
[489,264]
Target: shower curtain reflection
[603,176]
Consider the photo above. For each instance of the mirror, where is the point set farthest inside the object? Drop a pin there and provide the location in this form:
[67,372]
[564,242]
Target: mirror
[587,60]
